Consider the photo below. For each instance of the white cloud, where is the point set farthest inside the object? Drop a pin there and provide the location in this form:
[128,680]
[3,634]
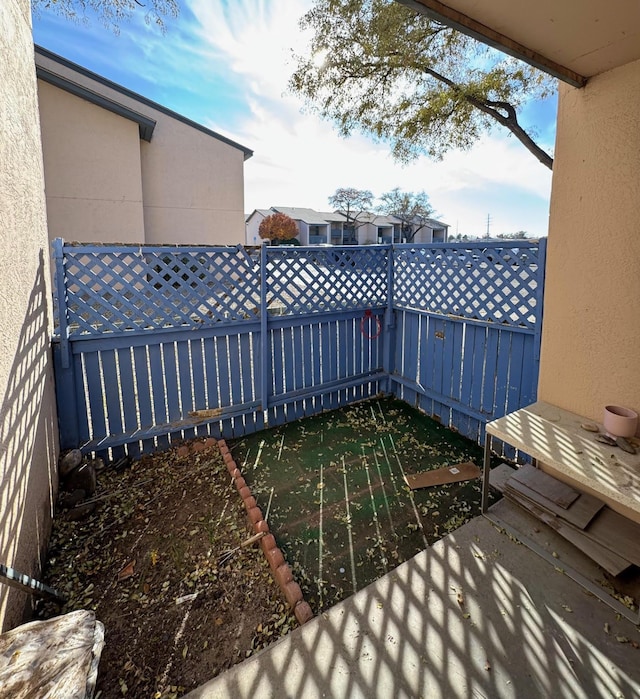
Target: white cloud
[299,160]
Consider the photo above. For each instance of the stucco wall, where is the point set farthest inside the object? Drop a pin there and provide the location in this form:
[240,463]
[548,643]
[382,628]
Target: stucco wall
[193,186]
[192,183]
[28,429]
[92,170]
[591,329]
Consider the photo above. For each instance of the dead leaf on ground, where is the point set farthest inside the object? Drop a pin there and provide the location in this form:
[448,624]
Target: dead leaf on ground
[127,571]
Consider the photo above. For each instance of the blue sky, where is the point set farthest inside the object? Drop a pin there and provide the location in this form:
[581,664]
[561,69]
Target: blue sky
[226,65]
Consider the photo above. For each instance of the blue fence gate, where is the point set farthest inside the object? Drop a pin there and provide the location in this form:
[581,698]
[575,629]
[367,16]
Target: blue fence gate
[155,343]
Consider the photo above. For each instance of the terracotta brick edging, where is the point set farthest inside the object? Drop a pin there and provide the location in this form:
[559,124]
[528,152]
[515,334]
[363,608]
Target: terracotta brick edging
[279,569]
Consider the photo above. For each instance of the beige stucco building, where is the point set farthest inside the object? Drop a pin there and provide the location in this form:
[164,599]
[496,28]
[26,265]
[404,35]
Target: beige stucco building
[28,427]
[120,168]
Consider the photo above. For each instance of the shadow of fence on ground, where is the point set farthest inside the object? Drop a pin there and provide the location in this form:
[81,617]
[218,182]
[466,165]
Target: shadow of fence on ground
[469,617]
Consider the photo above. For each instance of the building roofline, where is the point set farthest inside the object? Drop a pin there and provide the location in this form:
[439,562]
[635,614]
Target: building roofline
[146,125]
[111,105]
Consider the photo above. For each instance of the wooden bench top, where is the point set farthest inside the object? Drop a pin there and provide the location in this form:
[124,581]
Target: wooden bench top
[555,438]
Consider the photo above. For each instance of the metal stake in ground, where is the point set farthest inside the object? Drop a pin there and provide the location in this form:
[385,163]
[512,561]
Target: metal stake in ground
[23,582]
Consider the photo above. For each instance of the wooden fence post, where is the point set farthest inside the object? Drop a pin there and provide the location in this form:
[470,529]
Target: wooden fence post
[265,364]
[389,338]
[62,360]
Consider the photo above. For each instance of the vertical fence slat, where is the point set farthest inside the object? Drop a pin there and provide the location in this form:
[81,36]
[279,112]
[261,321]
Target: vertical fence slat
[502,373]
[211,373]
[224,383]
[529,377]
[143,388]
[278,374]
[516,355]
[159,396]
[490,372]
[112,396]
[333,363]
[299,357]
[308,356]
[129,402]
[186,374]
[261,415]
[171,382]
[246,380]
[70,412]
[95,393]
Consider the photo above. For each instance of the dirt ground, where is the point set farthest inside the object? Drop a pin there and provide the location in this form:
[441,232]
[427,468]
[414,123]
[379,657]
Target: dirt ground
[150,561]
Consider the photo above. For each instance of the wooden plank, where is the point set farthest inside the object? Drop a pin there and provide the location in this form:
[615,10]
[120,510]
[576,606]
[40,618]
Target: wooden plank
[617,533]
[440,476]
[499,475]
[604,557]
[547,486]
[580,514]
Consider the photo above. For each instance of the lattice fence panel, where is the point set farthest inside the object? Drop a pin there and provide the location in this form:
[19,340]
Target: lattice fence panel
[497,284]
[315,280]
[123,288]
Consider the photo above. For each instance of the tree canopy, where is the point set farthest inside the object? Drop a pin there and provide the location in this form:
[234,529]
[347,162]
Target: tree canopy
[387,70]
[518,235]
[412,208]
[353,203]
[278,226]
[112,12]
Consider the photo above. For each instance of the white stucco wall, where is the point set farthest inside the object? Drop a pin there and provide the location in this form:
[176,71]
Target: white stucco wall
[591,332]
[28,430]
[253,229]
[92,170]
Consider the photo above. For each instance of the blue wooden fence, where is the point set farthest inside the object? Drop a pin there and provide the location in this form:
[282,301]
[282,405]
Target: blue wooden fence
[155,343]
[468,323]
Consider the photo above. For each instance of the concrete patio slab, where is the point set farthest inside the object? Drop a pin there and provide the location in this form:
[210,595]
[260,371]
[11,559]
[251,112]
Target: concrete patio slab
[476,615]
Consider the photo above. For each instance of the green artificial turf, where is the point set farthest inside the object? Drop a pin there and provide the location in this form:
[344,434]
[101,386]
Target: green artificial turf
[337,502]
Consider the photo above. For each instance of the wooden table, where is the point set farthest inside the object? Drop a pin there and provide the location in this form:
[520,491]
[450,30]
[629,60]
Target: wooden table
[556,440]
